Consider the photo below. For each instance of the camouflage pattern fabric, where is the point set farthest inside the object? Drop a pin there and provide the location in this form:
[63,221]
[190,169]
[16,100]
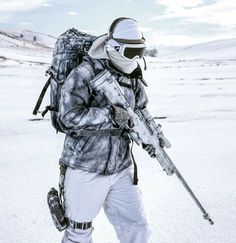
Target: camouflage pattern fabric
[104,154]
[69,50]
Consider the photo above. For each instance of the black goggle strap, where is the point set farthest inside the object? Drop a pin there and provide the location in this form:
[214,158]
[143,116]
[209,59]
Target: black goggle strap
[124,41]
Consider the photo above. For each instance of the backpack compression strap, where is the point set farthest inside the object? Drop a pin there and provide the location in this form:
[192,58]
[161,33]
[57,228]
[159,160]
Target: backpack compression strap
[40,99]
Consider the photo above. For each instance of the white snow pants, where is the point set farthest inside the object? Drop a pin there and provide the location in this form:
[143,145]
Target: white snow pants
[86,193]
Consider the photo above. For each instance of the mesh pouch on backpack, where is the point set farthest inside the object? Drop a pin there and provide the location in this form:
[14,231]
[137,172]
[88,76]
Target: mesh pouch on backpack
[68,53]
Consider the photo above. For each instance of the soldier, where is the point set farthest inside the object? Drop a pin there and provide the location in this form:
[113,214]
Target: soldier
[99,163]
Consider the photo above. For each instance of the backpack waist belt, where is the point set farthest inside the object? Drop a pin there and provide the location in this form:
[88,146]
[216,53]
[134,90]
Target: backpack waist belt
[104,132]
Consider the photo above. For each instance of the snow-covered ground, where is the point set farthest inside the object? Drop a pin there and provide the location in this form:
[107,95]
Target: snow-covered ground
[196,96]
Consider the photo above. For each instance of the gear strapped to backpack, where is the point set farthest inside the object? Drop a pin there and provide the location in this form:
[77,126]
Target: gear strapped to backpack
[68,53]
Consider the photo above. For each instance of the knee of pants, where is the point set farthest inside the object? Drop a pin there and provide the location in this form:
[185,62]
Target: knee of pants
[77,235]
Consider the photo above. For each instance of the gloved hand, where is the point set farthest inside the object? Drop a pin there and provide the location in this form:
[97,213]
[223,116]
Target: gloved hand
[150,149]
[120,116]
[161,142]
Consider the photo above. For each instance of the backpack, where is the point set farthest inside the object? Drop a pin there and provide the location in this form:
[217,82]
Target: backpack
[68,53]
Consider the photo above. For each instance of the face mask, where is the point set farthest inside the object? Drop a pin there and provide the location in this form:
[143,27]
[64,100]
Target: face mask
[123,64]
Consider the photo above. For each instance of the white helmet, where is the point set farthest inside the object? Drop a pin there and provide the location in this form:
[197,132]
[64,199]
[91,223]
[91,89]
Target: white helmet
[126,30]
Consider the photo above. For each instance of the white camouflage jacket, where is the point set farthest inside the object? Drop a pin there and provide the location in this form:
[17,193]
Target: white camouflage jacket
[80,108]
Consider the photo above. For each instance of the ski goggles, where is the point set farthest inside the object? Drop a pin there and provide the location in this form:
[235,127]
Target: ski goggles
[130,51]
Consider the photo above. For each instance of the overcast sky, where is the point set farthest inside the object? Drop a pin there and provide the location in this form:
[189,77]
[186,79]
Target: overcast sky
[163,22]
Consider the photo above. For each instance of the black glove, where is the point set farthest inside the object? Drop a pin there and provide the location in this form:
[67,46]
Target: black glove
[120,116]
[161,142]
[151,150]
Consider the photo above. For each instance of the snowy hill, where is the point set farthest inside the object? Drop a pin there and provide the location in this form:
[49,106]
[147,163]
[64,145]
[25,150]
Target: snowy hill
[36,38]
[26,38]
[220,49]
[17,47]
